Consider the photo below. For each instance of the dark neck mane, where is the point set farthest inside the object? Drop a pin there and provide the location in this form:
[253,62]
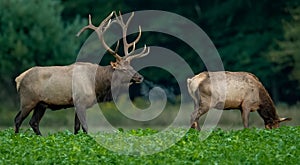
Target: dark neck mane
[103,83]
[267,109]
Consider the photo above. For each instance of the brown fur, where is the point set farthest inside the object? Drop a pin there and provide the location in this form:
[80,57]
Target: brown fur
[244,91]
[19,79]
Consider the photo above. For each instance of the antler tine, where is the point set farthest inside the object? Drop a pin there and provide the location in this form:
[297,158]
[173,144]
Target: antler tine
[129,19]
[104,28]
[144,52]
[120,19]
[124,27]
[89,26]
[128,54]
[100,30]
[134,42]
[117,47]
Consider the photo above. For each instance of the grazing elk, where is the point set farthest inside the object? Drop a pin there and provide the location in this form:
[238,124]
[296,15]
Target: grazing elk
[51,87]
[243,91]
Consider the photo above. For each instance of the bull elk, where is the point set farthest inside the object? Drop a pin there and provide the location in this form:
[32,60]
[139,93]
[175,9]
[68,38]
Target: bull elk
[40,88]
[244,91]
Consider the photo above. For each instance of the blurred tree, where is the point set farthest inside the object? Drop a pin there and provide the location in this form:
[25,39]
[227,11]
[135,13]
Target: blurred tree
[33,33]
[99,9]
[285,55]
[249,36]
[243,32]
[243,35]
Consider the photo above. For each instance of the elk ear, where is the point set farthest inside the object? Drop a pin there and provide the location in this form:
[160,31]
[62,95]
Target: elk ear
[114,64]
[284,119]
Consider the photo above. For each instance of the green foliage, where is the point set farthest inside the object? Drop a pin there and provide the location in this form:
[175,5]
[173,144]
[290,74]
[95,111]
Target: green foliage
[33,33]
[248,146]
[261,38]
[244,33]
[99,9]
[285,54]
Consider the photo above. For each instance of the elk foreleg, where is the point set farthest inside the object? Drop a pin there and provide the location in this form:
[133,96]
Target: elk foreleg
[198,112]
[81,115]
[77,124]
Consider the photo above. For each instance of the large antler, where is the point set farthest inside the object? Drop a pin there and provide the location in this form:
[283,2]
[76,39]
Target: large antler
[104,25]
[129,55]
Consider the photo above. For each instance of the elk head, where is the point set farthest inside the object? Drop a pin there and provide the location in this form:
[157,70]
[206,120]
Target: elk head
[275,124]
[124,71]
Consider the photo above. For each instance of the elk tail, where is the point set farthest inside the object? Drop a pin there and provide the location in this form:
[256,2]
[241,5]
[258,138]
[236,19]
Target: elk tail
[193,87]
[194,92]
[19,79]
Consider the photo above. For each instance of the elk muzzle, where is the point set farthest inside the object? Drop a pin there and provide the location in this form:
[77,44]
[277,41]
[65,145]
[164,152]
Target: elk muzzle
[137,78]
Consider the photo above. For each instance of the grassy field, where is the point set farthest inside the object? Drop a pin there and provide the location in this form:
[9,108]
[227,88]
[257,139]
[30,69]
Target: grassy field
[229,143]
[247,146]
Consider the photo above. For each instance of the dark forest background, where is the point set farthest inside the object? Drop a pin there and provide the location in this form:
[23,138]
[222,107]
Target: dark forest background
[262,37]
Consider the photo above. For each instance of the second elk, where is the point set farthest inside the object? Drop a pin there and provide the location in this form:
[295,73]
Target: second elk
[242,90]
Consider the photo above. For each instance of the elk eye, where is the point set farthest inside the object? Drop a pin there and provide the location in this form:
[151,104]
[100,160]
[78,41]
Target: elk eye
[126,62]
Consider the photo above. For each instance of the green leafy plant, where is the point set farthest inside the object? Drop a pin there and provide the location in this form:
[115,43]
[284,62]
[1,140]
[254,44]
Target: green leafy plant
[247,146]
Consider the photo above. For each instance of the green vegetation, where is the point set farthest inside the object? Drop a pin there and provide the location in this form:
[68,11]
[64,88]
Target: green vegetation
[285,53]
[32,33]
[247,146]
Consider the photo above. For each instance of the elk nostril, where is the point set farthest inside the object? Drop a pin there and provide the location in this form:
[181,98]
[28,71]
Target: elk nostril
[141,79]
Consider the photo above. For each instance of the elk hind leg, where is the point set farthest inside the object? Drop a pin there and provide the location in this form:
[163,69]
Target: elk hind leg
[38,113]
[245,111]
[18,121]
[22,114]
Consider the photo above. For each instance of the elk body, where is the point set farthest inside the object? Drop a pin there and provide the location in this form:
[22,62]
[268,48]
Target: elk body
[40,88]
[243,91]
